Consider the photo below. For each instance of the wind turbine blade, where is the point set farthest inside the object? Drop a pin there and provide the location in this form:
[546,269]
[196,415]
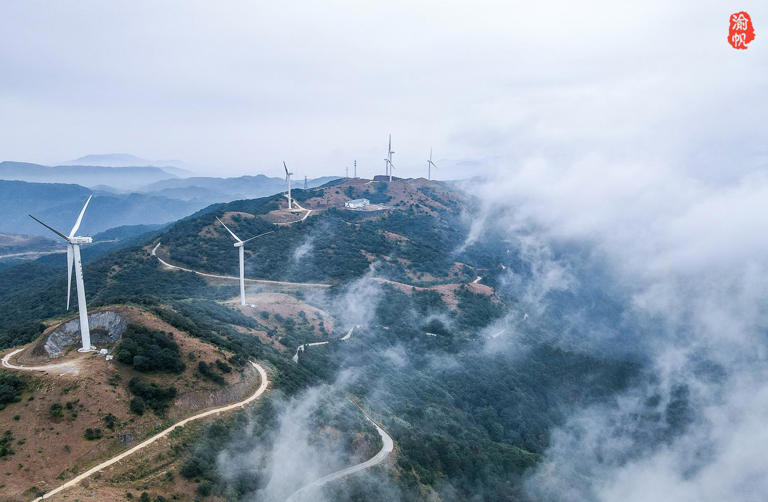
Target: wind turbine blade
[286,169]
[80,218]
[50,228]
[230,231]
[251,238]
[70,264]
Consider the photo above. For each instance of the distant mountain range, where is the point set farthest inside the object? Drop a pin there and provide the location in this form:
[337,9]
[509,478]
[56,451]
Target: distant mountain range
[226,189]
[59,204]
[128,191]
[124,178]
[174,167]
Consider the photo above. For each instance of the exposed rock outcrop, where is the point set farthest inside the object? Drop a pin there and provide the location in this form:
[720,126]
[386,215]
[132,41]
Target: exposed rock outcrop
[106,328]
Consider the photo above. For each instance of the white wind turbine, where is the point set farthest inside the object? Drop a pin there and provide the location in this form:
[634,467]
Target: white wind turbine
[388,160]
[430,165]
[288,180]
[239,244]
[73,258]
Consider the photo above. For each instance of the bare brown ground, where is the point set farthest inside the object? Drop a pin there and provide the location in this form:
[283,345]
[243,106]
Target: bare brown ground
[48,447]
[284,305]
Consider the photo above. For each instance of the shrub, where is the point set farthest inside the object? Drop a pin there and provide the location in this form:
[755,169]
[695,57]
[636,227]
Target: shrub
[10,387]
[138,406]
[56,410]
[205,488]
[156,397]
[110,420]
[207,371]
[5,444]
[91,434]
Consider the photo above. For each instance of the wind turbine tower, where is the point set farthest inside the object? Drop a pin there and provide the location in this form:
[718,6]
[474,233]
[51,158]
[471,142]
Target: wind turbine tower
[305,182]
[430,165]
[388,160]
[240,245]
[288,180]
[73,258]
[355,172]
[346,171]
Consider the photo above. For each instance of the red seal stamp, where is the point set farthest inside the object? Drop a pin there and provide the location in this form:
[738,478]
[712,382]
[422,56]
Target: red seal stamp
[740,30]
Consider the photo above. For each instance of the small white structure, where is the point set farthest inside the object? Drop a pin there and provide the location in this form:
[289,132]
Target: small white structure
[356,203]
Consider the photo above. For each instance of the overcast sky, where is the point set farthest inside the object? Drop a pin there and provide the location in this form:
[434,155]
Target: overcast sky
[236,87]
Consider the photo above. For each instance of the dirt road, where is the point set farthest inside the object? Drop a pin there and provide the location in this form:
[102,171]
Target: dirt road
[160,435]
[68,367]
[233,278]
[386,448]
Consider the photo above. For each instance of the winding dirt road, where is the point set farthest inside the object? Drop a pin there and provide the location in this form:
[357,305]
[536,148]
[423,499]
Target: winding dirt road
[93,470]
[233,278]
[386,448]
[69,367]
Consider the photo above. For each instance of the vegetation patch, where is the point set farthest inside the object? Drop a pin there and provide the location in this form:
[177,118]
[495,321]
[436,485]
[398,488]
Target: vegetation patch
[156,397]
[209,371]
[149,350]
[5,444]
[10,388]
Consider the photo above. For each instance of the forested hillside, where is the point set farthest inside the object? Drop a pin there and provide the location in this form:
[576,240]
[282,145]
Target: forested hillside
[443,352]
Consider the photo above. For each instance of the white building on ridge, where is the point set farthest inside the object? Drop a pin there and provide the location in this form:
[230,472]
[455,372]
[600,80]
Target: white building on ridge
[356,203]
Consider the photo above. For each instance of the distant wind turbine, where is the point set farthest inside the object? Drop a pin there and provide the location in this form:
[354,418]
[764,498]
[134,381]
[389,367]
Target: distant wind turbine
[73,258]
[288,180]
[388,160]
[240,245]
[430,165]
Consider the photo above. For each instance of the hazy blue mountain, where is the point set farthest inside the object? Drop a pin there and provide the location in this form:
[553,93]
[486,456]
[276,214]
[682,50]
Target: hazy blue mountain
[174,167]
[59,204]
[109,160]
[118,177]
[211,190]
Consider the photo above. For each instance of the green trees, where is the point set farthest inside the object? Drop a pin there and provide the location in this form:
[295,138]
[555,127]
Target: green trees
[156,397]
[92,434]
[10,388]
[208,371]
[148,350]
[138,405]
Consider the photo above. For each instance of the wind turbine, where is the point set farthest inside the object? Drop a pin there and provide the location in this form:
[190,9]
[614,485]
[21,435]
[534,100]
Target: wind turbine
[388,160]
[430,165]
[288,180]
[73,258]
[239,244]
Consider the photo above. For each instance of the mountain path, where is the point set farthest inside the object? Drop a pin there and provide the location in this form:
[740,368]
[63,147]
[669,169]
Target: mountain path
[233,278]
[386,448]
[93,470]
[69,367]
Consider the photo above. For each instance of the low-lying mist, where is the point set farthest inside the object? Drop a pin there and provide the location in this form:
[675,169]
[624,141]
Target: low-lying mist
[687,263]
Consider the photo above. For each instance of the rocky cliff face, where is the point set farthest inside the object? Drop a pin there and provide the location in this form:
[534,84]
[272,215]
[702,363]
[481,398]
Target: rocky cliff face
[106,328]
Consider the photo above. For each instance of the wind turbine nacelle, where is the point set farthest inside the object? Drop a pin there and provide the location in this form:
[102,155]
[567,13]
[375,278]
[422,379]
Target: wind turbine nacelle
[80,240]
[238,244]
